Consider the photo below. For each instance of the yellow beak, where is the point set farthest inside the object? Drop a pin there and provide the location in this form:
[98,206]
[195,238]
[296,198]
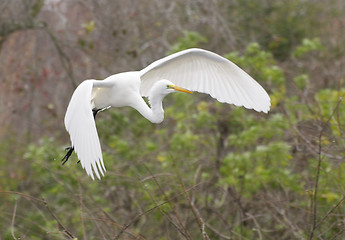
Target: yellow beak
[176,88]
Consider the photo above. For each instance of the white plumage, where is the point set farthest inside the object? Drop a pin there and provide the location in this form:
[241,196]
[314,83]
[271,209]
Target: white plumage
[194,69]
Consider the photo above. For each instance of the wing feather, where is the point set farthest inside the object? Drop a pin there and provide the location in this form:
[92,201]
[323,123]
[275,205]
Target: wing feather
[206,72]
[81,126]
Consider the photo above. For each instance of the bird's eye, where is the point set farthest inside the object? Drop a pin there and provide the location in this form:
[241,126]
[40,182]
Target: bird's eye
[169,87]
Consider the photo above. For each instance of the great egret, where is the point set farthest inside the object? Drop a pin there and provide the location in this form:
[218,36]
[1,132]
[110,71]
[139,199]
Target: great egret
[193,69]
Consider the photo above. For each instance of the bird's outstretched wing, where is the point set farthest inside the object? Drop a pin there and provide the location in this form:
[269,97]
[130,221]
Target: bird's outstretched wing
[80,124]
[207,72]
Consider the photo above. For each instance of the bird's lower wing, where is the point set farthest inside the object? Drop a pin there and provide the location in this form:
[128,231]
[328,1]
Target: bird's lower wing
[204,71]
[80,124]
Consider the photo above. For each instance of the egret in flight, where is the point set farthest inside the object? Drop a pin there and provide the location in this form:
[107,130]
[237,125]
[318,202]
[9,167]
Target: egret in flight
[186,71]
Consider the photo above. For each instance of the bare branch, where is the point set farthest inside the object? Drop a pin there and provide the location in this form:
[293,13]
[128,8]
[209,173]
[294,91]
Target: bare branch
[65,231]
[185,233]
[13,218]
[318,169]
[153,208]
[258,228]
[330,211]
[169,218]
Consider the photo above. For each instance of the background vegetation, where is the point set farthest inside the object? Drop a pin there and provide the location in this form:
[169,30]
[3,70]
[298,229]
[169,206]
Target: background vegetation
[210,170]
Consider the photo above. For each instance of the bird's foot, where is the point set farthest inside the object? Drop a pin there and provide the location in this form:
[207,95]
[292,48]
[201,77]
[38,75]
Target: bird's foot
[68,154]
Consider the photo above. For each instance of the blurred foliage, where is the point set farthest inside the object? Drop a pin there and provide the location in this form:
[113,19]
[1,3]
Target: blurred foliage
[36,8]
[307,46]
[189,40]
[277,25]
[248,175]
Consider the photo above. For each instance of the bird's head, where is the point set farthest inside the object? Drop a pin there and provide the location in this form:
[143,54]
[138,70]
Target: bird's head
[165,87]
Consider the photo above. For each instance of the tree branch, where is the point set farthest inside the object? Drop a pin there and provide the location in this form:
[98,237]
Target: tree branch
[318,170]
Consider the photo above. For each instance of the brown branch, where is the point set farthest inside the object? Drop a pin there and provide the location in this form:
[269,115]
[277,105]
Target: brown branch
[117,225]
[316,187]
[81,204]
[200,220]
[153,208]
[23,195]
[12,222]
[330,211]
[338,234]
[65,231]
[170,220]
[217,232]
[258,228]
[185,232]
[318,169]
[284,220]
[195,211]
[314,151]
[308,143]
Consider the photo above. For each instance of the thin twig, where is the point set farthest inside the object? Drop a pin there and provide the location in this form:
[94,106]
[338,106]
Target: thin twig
[195,211]
[170,220]
[217,232]
[330,211]
[185,232]
[284,220]
[72,191]
[81,210]
[13,218]
[238,201]
[338,234]
[23,195]
[310,147]
[258,228]
[308,143]
[199,219]
[137,236]
[319,168]
[151,209]
[316,187]
[65,231]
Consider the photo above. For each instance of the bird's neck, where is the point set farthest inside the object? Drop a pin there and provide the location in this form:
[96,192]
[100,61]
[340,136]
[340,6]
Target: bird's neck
[155,114]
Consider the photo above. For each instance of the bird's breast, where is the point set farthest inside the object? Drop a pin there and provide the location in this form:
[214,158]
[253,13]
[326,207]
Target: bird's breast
[121,94]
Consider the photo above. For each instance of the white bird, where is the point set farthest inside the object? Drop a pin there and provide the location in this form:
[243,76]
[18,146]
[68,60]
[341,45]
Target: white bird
[193,69]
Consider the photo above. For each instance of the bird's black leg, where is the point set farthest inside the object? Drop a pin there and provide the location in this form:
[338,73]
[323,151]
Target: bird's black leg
[95,111]
[68,154]
[71,149]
